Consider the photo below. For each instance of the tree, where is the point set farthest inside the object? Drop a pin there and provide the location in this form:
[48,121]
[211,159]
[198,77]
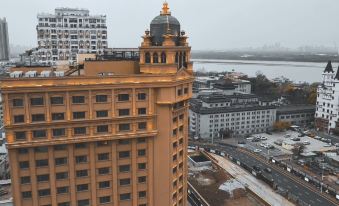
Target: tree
[281,126]
[298,149]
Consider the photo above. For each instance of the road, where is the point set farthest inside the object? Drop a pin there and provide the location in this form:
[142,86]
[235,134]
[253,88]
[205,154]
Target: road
[298,187]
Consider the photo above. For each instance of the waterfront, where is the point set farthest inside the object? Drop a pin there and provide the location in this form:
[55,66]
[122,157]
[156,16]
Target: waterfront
[295,71]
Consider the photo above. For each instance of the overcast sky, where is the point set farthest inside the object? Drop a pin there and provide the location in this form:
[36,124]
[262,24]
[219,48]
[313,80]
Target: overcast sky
[210,24]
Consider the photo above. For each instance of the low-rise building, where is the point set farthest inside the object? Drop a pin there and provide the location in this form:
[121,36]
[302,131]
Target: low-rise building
[296,114]
[238,114]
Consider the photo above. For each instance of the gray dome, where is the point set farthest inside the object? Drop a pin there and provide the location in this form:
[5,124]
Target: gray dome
[164,24]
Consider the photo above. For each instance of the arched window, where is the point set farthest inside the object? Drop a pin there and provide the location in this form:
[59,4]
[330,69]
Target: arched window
[155,58]
[147,58]
[163,58]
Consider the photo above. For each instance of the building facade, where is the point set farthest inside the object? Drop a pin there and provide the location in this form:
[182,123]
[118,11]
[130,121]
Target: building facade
[116,135]
[61,36]
[300,115]
[327,106]
[239,115]
[4,43]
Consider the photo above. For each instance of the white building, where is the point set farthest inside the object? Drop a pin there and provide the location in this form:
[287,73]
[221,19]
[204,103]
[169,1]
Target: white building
[327,108]
[61,36]
[239,114]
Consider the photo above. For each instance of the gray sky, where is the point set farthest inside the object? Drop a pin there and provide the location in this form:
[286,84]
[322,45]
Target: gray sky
[210,24]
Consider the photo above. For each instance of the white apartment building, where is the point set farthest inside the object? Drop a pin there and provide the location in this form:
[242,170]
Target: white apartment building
[239,114]
[327,108]
[67,32]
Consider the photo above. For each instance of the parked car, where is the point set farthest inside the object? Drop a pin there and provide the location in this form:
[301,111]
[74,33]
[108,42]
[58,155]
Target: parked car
[336,144]
[306,142]
[257,150]
[301,135]
[263,138]
[317,137]
[249,138]
[268,170]
[287,135]
[278,142]
[328,145]
[241,142]
[295,139]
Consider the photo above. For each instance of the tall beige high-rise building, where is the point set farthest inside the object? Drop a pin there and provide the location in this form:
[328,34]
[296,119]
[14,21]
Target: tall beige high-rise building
[4,43]
[115,135]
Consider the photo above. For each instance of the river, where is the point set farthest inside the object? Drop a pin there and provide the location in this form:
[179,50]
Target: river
[296,71]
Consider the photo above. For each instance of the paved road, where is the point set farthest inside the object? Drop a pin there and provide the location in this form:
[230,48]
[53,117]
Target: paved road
[307,193]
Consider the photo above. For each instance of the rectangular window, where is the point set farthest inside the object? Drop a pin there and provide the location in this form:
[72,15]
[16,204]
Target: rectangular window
[141,140]
[124,182]
[79,115]
[142,96]
[185,90]
[41,149]
[141,111]
[61,175]
[23,151]
[142,194]
[60,147]
[141,166]
[142,125]
[142,179]
[44,192]
[58,116]
[103,170]
[124,168]
[124,154]
[81,159]
[179,92]
[102,113]
[57,100]
[60,161]
[64,204]
[105,199]
[82,187]
[38,117]
[37,101]
[104,184]
[20,136]
[124,141]
[101,98]
[83,202]
[82,173]
[103,156]
[59,132]
[18,102]
[123,112]
[125,196]
[80,145]
[102,128]
[62,190]
[19,118]
[78,99]
[42,178]
[123,97]
[39,133]
[103,143]
[124,127]
[25,180]
[80,130]
[141,152]
[26,195]
[41,163]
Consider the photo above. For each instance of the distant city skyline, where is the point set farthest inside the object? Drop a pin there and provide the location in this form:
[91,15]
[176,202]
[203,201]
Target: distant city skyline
[220,25]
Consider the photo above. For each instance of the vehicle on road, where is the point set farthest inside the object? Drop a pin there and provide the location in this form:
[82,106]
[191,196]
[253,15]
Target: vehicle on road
[241,142]
[317,137]
[336,144]
[306,142]
[295,138]
[328,145]
[263,138]
[249,138]
[257,150]
[287,135]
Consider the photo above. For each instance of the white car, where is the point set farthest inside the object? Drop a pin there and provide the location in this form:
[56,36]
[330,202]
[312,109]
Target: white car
[257,150]
[249,138]
[327,145]
[263,138]
[306,142]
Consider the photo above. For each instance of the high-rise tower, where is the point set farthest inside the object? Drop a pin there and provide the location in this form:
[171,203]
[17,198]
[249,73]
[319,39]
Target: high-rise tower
[4,44]
[115,135]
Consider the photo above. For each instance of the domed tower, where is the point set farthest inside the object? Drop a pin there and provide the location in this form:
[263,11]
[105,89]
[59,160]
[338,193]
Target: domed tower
[164,48]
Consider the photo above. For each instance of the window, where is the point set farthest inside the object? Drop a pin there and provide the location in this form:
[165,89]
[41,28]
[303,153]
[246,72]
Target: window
[163,57]
[142,125]
[123,112]
[179,92]
[40,149]
[25,180]
[62,190]
[142,179]
[58,116]
[124,127]
[102,128]
[104,184]
[124,154]
[155,58]
[141,140]
[18,102]
[79,130]
[64,204]
[103,156]
[37,101]
[141,166]
[124,168]
[60,161]
[42,178]
[141,111]
[81,159]
[41,163]
[78,99]
[103,170]
[102,113]
[124,182]
[141,152]
[44,192]
[101,98]
[82,187]
[125,196]
[20,136]
[123,97]
[38,117]
[141,96]
[105,199]
[79,115]
[124,141]
[61,175]
[27,194]
[83,202]
[80,145]
[147,58]
[57,100]
[19,118]
[185,90]
[102,143]
[142,194]
[82,173]
[59,132]
[60,147]
[23,151]
[39,133]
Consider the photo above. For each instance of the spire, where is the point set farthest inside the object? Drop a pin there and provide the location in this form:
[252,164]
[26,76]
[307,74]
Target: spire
[329,67]
[337,75]
[165,9]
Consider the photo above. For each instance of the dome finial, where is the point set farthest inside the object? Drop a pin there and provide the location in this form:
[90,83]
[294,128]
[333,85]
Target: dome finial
[165,9]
